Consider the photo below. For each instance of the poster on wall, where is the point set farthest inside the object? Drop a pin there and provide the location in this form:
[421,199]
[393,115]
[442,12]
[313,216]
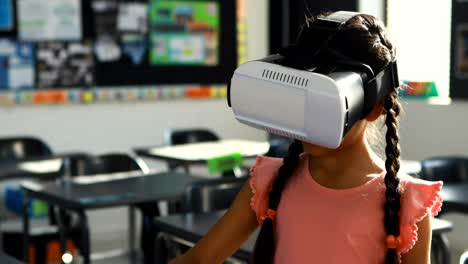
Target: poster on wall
[462,52]
[132,25]
[16,65]
[40,20]
[106,44]
[184,33]
[6,15]
[62,65]
[121,30]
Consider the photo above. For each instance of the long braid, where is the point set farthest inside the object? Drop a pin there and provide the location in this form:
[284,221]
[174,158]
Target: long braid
[265,244]
[371,45]
[392,165]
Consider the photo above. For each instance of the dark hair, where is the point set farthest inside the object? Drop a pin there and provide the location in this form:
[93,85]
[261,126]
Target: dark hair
[363,38]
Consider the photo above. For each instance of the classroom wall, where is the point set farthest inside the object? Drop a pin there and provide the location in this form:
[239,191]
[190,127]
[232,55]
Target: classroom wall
[120,127]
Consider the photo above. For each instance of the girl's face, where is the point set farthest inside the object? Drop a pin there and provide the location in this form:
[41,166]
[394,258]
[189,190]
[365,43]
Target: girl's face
[355,136]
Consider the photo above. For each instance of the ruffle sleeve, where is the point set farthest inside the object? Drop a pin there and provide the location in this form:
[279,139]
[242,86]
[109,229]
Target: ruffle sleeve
[262,175]
[419,199]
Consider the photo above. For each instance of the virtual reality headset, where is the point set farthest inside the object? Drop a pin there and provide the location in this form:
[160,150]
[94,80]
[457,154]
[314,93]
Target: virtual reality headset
[309,91]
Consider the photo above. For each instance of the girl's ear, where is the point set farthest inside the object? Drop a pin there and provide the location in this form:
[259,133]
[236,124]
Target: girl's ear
[377,111]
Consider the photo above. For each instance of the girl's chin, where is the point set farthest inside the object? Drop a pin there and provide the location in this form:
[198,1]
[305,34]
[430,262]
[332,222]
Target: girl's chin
[316,150]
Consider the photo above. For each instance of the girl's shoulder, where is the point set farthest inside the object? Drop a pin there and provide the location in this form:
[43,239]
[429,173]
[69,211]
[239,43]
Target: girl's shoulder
[419,198]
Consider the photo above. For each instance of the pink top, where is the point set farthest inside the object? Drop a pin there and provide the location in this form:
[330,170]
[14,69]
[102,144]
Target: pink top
[338,226]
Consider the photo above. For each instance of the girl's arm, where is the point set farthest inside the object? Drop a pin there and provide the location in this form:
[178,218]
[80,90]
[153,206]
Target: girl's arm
[227,235]
[421,252]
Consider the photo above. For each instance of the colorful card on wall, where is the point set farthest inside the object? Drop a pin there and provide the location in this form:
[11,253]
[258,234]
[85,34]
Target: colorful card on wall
[462,52]
[16,65]
[184,33]
[6,15]
[132,25]
[40,20]
[133,18]
[65,65]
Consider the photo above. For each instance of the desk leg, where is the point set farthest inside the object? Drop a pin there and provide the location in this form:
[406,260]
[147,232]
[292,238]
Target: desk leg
[131,231]
[61,229]
[26,227]
[148,232]
[85,239]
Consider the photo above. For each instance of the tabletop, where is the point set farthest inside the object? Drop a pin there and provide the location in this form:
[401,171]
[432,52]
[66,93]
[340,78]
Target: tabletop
[193,227]
[128,188]
[40,168]
[201,152]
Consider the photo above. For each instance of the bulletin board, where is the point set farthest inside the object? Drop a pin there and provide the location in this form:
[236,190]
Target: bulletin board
[85,51]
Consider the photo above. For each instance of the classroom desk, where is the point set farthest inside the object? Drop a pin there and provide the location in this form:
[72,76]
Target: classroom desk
[81,195]
[455,196]
[40,168]
[5,259]
[192,227]
[199,153]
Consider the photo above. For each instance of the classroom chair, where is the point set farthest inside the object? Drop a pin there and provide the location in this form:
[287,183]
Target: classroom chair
[202,196]
[44,233]
[13,148]
[114,163]
[211,195]
[183,136]
[449,169]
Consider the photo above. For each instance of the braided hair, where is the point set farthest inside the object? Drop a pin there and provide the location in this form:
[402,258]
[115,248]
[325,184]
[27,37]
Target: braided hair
[265,241]
[363,38]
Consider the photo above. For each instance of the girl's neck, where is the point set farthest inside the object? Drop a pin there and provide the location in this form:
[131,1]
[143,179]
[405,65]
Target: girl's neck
[346,167]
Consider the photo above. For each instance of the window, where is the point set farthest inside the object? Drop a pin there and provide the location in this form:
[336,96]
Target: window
[420,29]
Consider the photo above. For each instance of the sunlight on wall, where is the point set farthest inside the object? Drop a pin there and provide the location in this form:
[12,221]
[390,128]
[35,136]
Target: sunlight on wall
[420,30]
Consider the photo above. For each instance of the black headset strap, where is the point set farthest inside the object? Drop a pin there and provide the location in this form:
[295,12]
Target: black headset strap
[314,39]
[311,49]
[382,85]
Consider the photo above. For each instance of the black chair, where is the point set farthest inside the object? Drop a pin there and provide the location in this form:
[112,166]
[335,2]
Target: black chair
[14,148]
[184,136]
[450,169]
[112,163]
[202,196]
[211,195]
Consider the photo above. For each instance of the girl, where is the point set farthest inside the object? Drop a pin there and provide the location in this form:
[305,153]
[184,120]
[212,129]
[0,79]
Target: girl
[344,205]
